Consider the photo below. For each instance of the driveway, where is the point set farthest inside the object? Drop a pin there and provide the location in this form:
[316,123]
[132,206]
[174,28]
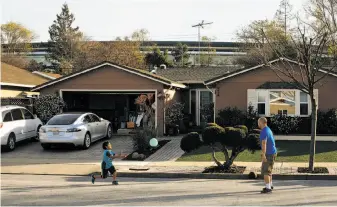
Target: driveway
[33,153]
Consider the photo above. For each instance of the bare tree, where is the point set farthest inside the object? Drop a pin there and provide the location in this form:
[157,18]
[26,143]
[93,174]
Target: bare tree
[315,44]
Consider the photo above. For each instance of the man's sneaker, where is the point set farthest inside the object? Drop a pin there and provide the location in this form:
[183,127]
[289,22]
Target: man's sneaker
[266,190]
[93,179]
[114,182]
[272,187]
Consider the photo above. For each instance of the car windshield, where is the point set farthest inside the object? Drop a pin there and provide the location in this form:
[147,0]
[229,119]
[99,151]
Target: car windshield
[63,119]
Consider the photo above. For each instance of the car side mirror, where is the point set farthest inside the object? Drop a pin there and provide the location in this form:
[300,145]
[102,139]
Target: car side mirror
[35,116]
[101,119]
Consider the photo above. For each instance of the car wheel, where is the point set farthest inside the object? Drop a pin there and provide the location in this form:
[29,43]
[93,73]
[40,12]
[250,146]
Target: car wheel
[11,142]
[37,138]
[86,141]
[46,146]
[109,132]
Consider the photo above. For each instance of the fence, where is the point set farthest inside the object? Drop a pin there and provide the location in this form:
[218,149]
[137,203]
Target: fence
[24,102]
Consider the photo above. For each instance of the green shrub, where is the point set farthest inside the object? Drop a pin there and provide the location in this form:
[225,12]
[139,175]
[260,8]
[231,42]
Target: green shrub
[281,124]
[327,122]
[207,112]
[252,142]
[230,116]
[234,137]
[141,140]
[190,142]
[243,127]
[212,134]
[47,106]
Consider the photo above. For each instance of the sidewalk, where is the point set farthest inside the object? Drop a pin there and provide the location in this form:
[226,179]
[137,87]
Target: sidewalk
[169,170]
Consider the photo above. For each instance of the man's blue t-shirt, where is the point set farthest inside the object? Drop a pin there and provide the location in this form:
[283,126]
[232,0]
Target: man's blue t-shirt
[267,134]
[106,158]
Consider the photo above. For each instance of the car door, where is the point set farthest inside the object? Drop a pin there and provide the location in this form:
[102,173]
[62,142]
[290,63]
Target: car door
[99,126]
[90,126]
[19,124]
[30,128]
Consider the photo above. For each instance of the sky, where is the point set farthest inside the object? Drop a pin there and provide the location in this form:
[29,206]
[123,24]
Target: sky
[164,19]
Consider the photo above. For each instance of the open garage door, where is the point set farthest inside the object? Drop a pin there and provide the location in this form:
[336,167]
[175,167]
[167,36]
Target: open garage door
[116,106]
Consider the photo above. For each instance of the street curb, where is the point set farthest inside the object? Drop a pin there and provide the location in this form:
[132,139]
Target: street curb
[198,176]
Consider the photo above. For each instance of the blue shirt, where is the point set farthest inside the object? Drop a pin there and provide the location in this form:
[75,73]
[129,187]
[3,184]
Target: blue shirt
[106,158]
[267,134]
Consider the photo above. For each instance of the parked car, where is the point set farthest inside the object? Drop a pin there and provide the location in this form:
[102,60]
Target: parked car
[78,129]
[17,124]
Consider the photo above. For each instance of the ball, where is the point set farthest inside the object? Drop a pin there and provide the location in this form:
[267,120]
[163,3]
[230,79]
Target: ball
[153,142]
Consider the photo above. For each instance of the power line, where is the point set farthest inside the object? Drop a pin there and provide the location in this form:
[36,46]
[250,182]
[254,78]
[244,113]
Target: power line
[201,25]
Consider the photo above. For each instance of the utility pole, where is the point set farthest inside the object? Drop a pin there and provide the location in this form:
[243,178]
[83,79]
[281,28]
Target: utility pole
[200,25]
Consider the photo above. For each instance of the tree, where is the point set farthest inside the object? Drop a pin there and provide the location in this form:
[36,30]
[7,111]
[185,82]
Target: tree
[255,42]
[47,106]
[140,35]
[284,15]
[311,42]
[34,66]
[237,138]
[16,37]
[180,55]
[206,58]
[156,58]
[64,38]
[125,53]
[15,60]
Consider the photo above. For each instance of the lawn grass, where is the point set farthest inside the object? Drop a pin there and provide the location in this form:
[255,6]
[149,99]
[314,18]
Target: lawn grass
[288,151]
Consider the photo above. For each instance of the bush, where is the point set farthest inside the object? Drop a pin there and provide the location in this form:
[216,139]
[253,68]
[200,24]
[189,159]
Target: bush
[243,127]
[212,134]
[190,142]
[141,140]
[281,124]
[230,116]
[234,137]
[327,122]
[47,106]
[174,113]
[207,112]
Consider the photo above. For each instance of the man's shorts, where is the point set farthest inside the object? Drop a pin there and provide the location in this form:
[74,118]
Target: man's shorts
[267,167]
[112,170]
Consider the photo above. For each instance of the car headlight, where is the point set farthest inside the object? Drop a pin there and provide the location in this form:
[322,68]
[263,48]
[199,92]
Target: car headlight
[73,130]
[42,130]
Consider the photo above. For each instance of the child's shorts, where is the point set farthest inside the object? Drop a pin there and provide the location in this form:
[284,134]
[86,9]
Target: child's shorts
[112,170]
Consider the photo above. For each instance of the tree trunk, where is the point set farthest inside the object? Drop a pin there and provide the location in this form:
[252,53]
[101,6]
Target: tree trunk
[215,159]
[313,133]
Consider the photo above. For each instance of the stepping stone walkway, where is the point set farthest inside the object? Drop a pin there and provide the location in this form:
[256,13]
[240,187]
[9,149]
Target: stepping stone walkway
[169,152]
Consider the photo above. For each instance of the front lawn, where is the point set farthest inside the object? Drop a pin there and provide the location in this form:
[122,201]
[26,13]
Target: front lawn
[288,151]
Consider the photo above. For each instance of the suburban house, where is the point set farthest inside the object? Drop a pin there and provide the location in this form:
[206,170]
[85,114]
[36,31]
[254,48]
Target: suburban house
[17,82]
[110,91]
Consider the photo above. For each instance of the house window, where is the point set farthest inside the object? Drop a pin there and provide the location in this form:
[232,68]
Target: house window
[282,102]
[304,103]
[261,103]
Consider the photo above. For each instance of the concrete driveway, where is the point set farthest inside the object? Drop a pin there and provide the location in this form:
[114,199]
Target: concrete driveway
[32,153]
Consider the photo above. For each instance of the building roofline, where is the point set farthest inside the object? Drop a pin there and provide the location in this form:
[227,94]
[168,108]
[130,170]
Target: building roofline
[44,75]
[17,84]
[138,72]
[241,71]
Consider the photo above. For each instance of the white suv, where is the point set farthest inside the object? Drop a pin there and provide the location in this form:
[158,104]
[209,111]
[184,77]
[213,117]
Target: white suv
[17,124]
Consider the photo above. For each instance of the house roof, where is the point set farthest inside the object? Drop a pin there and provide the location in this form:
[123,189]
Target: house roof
[14,76]
[194,74]
[135,71]
[50,76]
[244,70]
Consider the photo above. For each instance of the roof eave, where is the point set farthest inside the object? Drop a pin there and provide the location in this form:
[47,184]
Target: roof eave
[17,85]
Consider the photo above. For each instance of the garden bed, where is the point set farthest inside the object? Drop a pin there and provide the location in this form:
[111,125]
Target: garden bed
[317,170]
[161,143]
[233,169]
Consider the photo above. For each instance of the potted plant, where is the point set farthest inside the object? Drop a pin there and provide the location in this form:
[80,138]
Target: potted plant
[173,115]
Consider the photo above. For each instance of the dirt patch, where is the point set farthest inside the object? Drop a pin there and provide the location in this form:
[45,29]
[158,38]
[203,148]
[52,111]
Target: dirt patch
[161,143]
[317,170]
[232,169]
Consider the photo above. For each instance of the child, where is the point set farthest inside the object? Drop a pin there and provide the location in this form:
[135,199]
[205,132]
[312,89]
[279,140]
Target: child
[107,165]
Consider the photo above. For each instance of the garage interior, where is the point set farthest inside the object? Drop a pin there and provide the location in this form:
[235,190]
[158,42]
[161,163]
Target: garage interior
[117,107]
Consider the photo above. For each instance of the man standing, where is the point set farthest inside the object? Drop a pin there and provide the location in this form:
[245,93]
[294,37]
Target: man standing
[268,154]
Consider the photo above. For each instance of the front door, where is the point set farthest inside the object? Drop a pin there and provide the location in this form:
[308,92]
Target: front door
[199,100]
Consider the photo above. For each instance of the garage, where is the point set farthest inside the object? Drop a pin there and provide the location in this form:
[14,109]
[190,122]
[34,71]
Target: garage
[110,90]
[118,107]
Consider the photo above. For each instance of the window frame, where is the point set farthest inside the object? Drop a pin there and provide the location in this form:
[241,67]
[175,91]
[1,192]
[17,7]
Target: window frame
[308,104]
[258,102]
[297,102]
[92,118]
[22,116]
[4,113]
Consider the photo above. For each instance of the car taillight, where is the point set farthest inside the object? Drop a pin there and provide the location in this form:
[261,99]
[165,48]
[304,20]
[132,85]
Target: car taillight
[1,124]
[73,130]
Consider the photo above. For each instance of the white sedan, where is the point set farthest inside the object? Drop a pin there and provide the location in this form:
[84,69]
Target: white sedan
[17,124]
[78,129]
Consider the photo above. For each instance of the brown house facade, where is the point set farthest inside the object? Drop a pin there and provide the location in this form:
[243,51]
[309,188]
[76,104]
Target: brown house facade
[110,90]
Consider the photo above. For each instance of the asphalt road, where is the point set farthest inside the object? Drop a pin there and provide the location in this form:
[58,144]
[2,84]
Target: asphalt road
[25,190]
